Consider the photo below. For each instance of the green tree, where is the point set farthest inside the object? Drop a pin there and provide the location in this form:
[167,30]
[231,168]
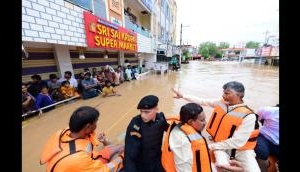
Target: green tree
[219,54]
[208,49]
[186,54]
[223,45]
[252,44]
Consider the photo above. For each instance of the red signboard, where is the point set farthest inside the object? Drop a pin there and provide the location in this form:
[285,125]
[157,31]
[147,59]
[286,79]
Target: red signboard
[101,33]
[266,51]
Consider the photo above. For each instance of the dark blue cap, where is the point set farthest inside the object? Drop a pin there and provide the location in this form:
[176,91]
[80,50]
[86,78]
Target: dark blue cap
[148,102]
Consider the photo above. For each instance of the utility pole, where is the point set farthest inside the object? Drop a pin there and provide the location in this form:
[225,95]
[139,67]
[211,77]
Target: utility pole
[180,51]
[266,34]
[181,26]
[180,33]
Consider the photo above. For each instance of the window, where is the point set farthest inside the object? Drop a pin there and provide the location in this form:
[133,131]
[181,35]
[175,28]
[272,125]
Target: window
[86,4]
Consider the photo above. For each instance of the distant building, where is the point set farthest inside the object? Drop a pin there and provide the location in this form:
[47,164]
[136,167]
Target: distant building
[232,52]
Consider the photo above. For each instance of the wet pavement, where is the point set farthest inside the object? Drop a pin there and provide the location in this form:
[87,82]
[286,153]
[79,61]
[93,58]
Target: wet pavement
[198,78]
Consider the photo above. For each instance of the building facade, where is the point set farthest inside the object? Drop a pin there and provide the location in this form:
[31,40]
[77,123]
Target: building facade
[70,35]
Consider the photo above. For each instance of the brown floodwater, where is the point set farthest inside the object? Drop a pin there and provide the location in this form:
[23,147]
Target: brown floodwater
[204,79]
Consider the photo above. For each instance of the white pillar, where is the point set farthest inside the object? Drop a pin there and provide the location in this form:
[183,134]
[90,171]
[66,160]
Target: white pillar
[121,58]
[63,59]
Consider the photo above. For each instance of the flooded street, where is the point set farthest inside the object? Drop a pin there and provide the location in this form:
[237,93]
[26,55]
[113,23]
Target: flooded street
[198,78]
[206,79]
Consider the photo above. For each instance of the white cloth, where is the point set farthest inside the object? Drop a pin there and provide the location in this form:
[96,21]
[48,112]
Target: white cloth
[245,157]
[238,139]
[73,81]
[181,147]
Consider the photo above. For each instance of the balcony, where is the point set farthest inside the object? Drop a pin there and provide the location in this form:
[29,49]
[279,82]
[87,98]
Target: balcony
[134,27]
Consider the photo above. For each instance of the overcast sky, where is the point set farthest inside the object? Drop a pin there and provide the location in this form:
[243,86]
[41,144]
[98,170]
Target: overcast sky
[232,21]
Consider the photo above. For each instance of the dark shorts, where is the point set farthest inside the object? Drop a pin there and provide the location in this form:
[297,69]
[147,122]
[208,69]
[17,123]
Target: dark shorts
[264,148]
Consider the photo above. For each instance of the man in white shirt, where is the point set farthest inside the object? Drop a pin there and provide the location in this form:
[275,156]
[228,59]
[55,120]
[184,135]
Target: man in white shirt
[68,77]
[241,136]
[184,141]
[188,133]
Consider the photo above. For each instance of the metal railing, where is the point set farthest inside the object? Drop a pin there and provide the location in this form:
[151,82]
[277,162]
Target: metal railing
[40,109]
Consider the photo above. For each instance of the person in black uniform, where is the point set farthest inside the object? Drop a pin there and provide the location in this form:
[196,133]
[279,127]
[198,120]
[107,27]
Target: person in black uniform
[143,138]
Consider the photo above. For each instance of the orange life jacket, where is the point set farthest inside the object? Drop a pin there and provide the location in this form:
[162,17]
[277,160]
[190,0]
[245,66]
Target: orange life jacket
[223,123]
[60,147]
[201,158]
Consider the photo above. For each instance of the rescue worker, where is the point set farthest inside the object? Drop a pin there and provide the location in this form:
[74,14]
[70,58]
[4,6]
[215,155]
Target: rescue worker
[71,149]
[233,126]
[143,138]
[184,148]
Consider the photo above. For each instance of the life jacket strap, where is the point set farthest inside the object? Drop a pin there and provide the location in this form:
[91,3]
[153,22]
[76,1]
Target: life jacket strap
[72,148]
[198,161]
[253,139]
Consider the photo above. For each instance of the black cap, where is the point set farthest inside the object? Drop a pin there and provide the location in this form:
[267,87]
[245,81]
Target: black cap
[148,102]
